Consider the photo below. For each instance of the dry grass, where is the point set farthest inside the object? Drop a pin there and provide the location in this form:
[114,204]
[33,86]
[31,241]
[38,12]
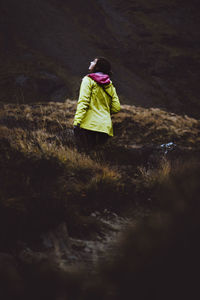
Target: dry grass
[152,177]
[141,126]
[40,163]
[51,117]
[37,143]
[43,183]
[133,125]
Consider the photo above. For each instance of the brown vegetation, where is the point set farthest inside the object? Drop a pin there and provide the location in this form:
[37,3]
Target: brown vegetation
[45,182]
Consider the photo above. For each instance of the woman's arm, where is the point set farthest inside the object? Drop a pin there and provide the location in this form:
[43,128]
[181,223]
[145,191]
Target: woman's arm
[83,101]
[115,105]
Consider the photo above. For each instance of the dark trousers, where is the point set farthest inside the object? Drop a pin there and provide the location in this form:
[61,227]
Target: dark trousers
[87,140]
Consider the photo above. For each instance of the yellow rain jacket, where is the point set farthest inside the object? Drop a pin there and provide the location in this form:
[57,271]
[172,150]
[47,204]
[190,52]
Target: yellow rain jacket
[94,106]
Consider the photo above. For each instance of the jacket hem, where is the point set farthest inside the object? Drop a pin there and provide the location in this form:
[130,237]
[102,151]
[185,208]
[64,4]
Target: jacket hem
[85,127]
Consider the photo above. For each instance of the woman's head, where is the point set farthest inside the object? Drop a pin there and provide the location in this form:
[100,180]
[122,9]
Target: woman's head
[100,64]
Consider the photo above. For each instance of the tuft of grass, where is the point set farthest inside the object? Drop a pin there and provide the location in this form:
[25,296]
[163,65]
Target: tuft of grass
[153,177]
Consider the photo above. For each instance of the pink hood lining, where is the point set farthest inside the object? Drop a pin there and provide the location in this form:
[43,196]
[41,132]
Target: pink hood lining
[100,78]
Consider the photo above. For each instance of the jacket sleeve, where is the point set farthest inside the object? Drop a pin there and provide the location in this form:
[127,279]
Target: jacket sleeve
[83,101]
[115,105]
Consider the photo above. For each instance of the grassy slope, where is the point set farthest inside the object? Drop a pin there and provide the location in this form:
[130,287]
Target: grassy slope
[45,181]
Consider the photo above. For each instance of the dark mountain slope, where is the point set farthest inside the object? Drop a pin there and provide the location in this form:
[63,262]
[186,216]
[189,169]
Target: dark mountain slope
[46,47]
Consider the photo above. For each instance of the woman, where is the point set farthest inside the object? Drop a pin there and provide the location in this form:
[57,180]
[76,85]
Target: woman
[97,100]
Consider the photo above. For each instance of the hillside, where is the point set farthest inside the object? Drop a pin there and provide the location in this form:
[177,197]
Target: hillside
[62,212]
[41,166]
[46,47]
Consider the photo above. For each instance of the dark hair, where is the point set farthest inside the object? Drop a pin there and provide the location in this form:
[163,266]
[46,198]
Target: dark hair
[103,65]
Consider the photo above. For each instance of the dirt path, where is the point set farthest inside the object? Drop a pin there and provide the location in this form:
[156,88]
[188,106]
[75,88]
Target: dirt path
[69,252]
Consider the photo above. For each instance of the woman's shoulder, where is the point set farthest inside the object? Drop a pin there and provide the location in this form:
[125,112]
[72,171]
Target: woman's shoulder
[87,80]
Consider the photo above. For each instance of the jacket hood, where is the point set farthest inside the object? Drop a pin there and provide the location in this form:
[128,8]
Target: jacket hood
[100,77]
